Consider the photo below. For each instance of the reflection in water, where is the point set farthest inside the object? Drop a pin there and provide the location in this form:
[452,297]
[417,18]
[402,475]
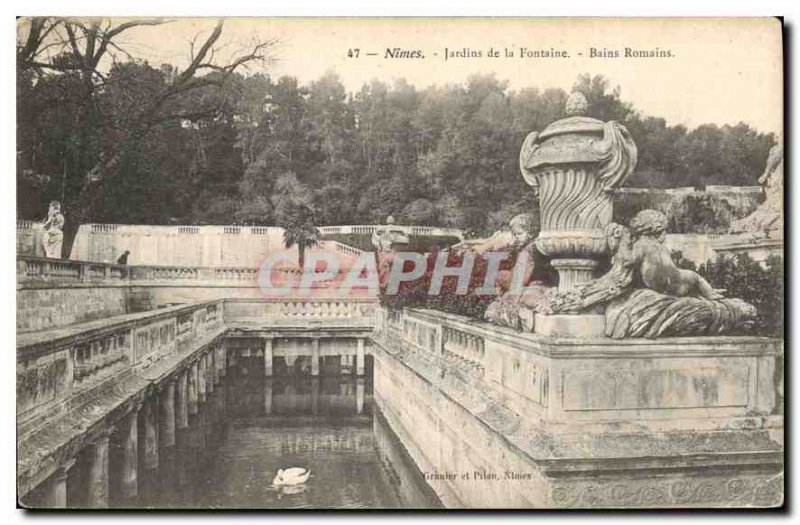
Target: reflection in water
[251,426]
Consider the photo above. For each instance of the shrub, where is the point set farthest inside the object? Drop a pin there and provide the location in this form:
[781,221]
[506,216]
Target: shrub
[414,294]
[746,279]
[701,213]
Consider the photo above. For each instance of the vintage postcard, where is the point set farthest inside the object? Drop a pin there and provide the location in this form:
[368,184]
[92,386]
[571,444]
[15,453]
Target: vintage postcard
[400,263]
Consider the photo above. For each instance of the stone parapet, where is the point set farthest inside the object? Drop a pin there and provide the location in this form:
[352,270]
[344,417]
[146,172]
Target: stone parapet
[689,422]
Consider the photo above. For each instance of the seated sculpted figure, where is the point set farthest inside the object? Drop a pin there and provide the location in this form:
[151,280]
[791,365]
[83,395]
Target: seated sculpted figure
[656,267]
[514,309]
[646,295]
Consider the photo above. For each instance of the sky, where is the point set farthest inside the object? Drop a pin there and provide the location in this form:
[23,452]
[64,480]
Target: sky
[719,71]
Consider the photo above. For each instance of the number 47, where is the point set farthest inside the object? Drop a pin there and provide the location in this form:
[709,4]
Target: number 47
[352,53]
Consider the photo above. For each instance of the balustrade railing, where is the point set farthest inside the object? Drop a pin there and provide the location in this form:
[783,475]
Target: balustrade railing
[55,365]
[346,312]
[369,229]
[339,247]
[39,270]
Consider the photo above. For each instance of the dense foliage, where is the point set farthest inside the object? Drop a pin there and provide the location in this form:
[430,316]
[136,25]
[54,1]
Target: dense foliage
[746,279]
[217,153]
[414,294]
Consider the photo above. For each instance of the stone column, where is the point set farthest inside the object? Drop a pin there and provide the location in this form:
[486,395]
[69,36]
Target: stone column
[208,359]
[182,400]
[150,435]
[360,357]
[191,373]
[129,437]
[315,357]
[268,396]
[315,396]
[360,395]
[57,489]
[222,364]
[214,365]
[268,354]
[167,414]
[201,380]
[98,473]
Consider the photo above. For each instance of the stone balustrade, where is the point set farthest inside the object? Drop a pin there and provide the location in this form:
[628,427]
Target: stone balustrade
[339,247]
[40,271]
[314,313]
[421,231]
[56,365]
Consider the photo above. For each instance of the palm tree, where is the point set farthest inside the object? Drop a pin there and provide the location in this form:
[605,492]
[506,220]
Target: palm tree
[299,229]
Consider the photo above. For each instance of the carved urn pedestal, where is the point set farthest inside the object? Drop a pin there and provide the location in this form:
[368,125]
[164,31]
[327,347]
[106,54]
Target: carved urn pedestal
[573,165]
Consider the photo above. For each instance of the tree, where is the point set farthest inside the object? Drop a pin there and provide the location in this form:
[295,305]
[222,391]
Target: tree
[63,60]
[295,213]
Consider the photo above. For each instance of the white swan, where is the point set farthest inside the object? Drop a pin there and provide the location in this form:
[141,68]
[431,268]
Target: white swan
[291,476]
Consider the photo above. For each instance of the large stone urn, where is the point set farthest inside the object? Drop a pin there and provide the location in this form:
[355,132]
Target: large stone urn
[573,165]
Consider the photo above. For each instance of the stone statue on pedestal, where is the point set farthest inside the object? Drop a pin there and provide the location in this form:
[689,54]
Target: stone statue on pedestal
[768,218]
[53,234]
[386,238]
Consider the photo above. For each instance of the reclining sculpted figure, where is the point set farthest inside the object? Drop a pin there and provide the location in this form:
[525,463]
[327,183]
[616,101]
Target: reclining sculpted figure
[646,295]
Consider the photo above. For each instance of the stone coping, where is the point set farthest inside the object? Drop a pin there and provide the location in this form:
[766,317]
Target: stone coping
[41,341]
[27,342]
[567,347]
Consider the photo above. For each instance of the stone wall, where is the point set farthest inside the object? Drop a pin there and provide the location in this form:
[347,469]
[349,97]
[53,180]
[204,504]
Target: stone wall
[243,246]
[44,308]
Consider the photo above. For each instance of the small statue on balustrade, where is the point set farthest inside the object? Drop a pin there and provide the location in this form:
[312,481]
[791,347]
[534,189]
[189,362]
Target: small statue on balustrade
[53,231]
[646,295]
